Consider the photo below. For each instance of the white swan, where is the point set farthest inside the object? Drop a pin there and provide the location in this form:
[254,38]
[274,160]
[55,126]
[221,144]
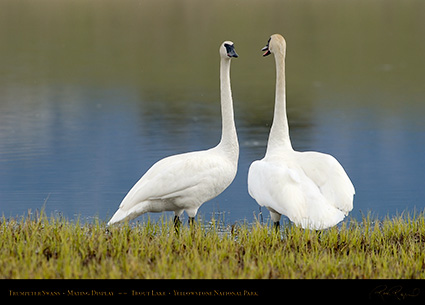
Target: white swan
[310,188]
[184,182]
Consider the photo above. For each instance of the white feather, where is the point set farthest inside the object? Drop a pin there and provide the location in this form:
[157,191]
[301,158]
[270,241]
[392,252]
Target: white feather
[184,182]
[312,189]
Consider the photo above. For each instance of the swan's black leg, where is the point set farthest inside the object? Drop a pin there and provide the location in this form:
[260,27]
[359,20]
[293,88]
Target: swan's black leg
[319,234]
[177,223]
[191,221]
[276,226]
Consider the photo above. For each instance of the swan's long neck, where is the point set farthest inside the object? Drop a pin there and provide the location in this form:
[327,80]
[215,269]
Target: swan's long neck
[279,132]
[229,138]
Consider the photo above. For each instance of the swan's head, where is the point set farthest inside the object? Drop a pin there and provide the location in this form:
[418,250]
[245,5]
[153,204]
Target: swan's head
[227,50]
[275,45]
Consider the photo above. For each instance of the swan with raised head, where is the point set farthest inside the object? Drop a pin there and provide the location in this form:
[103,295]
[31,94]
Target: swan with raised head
[311,188]
[185,181]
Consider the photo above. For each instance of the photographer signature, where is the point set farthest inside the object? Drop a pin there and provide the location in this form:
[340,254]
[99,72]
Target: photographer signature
[397,292]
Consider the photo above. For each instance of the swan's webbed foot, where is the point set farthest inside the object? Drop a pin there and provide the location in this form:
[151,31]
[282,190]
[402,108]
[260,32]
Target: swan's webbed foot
[191,221]
[276,226]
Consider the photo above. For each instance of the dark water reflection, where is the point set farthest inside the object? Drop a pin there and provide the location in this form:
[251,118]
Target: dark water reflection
[92,93]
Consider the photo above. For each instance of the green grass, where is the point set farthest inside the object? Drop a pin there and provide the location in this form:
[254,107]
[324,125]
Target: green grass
[52,247]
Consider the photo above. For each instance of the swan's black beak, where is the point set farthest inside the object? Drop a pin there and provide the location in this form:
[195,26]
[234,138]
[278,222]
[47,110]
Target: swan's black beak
[266,48]
[231,50]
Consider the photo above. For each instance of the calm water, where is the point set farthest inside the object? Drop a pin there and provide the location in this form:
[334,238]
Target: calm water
[92,93]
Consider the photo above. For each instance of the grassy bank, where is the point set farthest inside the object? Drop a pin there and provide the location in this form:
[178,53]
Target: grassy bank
[51,247]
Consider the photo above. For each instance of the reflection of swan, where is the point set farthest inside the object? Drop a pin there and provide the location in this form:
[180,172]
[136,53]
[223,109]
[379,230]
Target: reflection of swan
[310,188]
[184,182]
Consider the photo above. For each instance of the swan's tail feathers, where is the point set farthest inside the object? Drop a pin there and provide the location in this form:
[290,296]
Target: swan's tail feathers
[332,218]
[119,216]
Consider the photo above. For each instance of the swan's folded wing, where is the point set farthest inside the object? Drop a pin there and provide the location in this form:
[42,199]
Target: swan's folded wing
[329,175]
[171,176]
[278,187]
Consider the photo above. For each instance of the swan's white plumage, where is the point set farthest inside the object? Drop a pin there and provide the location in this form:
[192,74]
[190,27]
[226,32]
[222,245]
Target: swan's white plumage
[177,183]
[312,189]
[184,182]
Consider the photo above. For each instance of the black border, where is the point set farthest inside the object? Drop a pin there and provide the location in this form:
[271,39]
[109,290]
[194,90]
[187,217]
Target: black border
[299,291]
